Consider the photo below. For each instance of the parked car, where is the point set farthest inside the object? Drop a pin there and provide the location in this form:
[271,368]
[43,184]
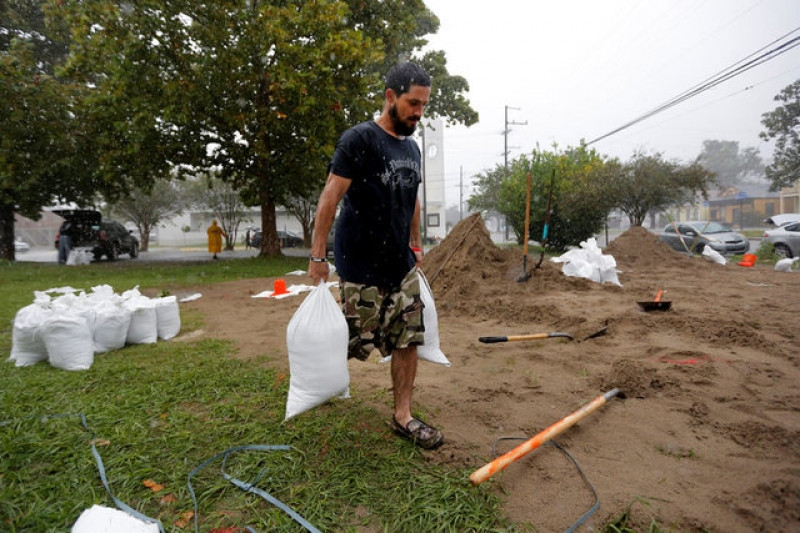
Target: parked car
[698,234]
[21,246]
[786,239]
[780,220]
[286,239]
[101,237]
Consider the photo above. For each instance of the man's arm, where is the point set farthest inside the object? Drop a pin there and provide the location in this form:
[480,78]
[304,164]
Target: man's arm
[415,239]
[332,194]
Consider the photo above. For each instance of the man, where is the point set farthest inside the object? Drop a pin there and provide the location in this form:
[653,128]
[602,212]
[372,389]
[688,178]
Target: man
[375,172]
[65,242]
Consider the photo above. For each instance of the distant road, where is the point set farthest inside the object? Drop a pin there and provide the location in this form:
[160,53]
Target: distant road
[157,255]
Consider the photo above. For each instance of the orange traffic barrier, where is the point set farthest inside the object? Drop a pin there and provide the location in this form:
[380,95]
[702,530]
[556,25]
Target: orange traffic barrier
[748,260]
[279,287]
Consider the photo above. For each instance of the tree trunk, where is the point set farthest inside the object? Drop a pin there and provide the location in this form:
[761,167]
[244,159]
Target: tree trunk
[270,246]
[7,232]
[308,232]
[144,236]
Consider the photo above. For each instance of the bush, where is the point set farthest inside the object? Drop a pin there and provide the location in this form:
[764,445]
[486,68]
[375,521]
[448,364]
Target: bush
[766,252]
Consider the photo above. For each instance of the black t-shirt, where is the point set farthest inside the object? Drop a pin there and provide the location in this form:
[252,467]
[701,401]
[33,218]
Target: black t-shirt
[373,230]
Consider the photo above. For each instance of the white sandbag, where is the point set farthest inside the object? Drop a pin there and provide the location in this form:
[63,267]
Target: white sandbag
[714,256]
[76,304]
[99,519]
[79,257]
[143,328]
[27,344]
[168,317]
[431,350]
[112,321]
[785,264]
[316,338]
[69,341]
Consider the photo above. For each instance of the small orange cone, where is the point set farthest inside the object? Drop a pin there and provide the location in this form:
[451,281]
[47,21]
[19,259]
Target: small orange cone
[748,260]
[279,287]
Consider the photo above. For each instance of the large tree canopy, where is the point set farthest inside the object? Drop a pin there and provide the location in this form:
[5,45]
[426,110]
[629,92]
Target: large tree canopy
[731,165]
[38,141]
[783,125]
[648,183]
[578,206]
[257,92]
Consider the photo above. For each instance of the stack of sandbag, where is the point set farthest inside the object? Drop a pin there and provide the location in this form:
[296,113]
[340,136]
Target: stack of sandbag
[589,262]
[67,330]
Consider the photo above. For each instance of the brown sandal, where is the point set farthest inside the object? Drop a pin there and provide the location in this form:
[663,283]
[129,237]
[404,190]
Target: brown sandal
[419,433]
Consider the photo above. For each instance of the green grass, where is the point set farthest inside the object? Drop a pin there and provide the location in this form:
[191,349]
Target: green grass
[158,411]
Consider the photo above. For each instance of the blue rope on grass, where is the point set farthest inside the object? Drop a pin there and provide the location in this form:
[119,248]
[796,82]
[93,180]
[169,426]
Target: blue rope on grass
[248,487]
[100,467]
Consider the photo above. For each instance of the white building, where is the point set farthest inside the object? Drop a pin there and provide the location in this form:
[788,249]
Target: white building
[432,189]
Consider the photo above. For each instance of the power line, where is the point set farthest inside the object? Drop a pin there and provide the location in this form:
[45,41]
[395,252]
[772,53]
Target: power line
[712,81]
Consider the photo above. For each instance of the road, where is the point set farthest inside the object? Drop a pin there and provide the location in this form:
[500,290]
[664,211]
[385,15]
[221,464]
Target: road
[157,255]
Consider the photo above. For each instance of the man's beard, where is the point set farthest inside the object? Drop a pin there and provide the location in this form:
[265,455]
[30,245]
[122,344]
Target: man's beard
[400,127]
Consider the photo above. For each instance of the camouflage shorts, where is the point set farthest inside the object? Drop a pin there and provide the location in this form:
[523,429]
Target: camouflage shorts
[382,320]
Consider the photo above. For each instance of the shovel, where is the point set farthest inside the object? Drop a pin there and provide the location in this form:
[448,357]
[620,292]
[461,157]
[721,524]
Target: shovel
[546,220]
[525,274]
[656,305]
[534,336]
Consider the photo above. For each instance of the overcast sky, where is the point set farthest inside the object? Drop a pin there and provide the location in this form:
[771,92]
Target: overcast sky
[578,69]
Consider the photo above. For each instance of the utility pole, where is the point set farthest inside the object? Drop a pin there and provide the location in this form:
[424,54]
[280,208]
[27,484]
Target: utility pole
[506,131]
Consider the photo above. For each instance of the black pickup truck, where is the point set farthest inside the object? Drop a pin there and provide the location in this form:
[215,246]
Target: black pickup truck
[90,232]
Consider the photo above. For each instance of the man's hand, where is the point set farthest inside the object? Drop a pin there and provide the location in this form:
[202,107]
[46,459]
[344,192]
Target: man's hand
[318,271]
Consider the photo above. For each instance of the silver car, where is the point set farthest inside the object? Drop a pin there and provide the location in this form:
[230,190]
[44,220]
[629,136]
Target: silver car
[698,234]
[786,239]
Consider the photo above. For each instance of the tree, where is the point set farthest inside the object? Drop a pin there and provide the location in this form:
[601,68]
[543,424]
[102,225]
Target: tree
[37,128]
[731,165]
[304,210]
[648,183]
[268,87]
[783,124]
[146,208]
[578,207]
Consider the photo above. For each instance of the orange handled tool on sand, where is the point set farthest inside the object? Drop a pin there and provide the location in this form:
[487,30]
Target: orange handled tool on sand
[499,464]
[531,337]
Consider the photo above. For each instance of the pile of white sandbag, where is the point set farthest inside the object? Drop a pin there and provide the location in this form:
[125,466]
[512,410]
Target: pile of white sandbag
[589,262]
[69,328]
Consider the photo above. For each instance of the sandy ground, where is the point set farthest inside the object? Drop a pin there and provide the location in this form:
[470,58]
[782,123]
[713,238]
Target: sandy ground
[706,436]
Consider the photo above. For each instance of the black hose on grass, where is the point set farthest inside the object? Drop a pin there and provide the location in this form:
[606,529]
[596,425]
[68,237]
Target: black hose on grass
[594,507]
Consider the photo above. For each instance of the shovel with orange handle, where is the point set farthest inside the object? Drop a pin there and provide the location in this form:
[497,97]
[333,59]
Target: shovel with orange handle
[500,464]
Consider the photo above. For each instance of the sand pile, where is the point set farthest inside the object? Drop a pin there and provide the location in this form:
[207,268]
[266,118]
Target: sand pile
[640,248]
[471,276]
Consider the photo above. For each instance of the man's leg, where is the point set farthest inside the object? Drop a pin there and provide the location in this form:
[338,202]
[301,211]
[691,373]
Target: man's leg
[404,371]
